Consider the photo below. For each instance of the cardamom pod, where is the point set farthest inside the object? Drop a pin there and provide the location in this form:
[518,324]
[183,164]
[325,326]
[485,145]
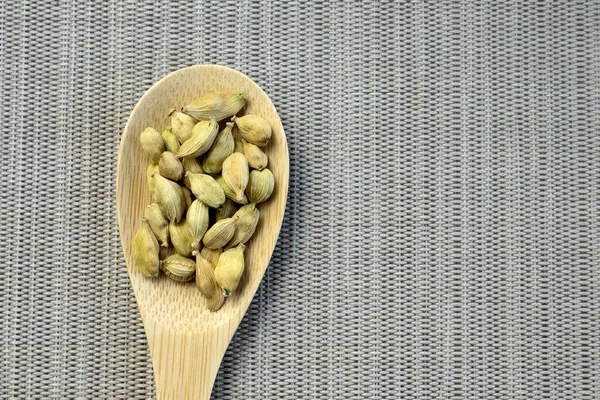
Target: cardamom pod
[254,129]
[170,167]
[227,210]
[187,196]
[220,233]
[247,220]
[171,142]
[197,217]
[152,168]
[178,268]
[206,189]
[230,268]
[145,251]
[169,197]
[211,255]
[257,159]
[218,105]
[158,223]
[203,136]
[181,237]
[237,140]
[260,185]
[152,143]
[207,283]
[229,193]
[182,125]
[235,174]
[212,162]
[190,164]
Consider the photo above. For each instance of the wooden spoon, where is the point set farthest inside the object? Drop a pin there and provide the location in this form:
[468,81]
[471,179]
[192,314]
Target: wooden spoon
[187,342]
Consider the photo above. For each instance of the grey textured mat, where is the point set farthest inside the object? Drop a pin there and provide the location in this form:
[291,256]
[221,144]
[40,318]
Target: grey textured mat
[442,237]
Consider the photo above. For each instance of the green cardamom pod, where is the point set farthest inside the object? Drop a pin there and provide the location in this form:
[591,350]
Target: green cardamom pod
[145,251]
[222,147]
[190,164]
[230,269]
[238,146]
[182,125]
[218,105]
[158,223]
[257,159]
[178,268]
[169,197]
[152,168]
[203,136]
[182,237]
[227,210]
[187,196]
[207,283]
[220,233]
[152,143]
[211,255]
[171,142]
[247,220]
[235,174]
[254,129]
[170,167]
[197,217]
[206,189]
[260,185]
[229,193]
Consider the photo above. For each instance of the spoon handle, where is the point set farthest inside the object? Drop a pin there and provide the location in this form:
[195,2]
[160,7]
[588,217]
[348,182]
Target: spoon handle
[186,363]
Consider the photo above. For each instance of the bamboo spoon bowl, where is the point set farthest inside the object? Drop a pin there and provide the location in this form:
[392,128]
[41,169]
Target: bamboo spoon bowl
[187,341]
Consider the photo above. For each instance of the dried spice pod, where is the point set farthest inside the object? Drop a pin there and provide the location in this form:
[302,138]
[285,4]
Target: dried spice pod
[197,217]
[211,255]
[152,168]
[230,269]
[145,251]
[207,283]
[206,189]
[158,223]
[254,129]
[238,146]
[182,125]
[220,233]
[169,197]
[187,196]
[171,142]
[203,136]
[190,164]
[222,147]
[178,268]
[219,105]
[170,167]
[260,185]
[227,210]
[181,237]
[152,143]
[229,193]
[247,220]
[257,159]
[235,173]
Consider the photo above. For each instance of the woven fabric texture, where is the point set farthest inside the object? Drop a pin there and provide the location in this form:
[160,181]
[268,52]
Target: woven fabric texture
[442,235]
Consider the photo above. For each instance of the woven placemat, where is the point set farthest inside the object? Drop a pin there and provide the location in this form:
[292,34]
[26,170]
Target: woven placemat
[442,235]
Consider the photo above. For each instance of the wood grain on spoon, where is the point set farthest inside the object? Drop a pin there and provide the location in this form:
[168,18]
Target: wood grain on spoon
[187,342]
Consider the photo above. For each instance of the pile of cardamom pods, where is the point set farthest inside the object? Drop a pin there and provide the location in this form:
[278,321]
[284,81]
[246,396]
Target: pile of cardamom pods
[206,176]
